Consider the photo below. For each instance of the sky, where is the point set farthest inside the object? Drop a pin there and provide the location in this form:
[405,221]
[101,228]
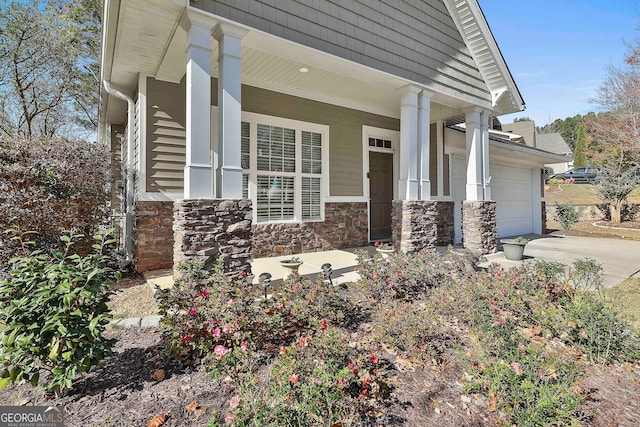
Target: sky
[558,51]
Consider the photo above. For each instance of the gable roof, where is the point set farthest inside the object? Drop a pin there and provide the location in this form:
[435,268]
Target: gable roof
[475,30]
[553,143]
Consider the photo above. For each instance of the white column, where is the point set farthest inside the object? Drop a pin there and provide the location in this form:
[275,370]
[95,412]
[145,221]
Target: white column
[474,187]
[229,169]
[440,159]
[408,173]
[486,175]
[537,191]
[198,171]
[424,143]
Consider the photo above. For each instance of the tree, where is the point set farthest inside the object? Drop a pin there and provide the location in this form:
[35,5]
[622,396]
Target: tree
[614,188]
[579,157]
[614,135]
[47,52]
[567,127]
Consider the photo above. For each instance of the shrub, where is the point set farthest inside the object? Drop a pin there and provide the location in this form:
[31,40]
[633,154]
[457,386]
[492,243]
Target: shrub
[54,313]
[49,186]
[567,215]
[211,313]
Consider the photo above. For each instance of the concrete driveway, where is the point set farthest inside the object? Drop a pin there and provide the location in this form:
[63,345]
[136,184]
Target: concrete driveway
[620,259]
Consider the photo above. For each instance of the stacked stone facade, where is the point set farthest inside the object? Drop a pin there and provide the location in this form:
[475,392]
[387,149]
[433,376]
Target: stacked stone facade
[479,226]
[418,225]
[345,226]
[153,236]
[213,229]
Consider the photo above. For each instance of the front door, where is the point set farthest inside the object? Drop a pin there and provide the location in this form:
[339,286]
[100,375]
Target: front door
[381,194]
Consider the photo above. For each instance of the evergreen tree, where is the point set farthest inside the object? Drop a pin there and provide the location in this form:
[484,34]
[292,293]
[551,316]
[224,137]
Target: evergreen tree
[579,156]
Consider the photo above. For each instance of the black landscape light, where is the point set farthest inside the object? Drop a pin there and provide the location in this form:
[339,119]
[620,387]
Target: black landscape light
[265,280]
[327,271]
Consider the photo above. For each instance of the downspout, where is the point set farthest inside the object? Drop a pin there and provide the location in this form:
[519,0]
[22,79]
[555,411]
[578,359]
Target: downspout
[128,219]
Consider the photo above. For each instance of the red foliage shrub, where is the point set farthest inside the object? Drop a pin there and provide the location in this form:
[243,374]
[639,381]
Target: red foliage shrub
[51,185]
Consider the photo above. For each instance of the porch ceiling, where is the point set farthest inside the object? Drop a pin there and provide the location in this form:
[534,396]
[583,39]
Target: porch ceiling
[148,40]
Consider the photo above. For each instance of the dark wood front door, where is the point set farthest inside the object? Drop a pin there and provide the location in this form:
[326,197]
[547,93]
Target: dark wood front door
[381,193]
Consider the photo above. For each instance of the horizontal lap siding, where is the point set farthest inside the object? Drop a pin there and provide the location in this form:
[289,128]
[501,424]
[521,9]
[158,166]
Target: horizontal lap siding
[416,40]
[166,133]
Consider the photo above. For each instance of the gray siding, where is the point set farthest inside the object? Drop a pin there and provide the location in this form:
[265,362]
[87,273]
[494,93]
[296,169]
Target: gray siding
[417,40]
[166,133]
[166,124]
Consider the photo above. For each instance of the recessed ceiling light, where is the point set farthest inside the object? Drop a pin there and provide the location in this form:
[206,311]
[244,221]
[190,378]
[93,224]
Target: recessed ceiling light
[303,69]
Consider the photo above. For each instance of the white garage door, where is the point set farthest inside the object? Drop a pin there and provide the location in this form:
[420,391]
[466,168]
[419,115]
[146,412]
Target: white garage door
[511,189]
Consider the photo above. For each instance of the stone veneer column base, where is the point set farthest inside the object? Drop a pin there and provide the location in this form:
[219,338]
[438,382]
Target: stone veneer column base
[423,224]
[209,229]
[479,227]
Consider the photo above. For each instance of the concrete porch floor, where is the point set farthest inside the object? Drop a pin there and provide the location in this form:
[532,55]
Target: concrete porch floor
[343,263]
[619,258]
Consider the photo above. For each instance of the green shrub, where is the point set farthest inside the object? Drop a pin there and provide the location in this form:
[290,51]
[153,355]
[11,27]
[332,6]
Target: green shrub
[567,215]
[54,313]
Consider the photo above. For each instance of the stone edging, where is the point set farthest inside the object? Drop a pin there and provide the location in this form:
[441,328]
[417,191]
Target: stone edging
[595,224]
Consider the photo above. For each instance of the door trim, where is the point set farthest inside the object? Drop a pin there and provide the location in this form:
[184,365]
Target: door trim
[394,137]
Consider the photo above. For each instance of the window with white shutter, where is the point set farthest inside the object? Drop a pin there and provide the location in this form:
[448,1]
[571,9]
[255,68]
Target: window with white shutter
[283,163]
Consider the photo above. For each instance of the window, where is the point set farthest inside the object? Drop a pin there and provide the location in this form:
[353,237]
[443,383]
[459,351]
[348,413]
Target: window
[283,163]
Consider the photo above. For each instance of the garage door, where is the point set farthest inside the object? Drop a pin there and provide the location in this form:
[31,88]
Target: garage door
[511,189]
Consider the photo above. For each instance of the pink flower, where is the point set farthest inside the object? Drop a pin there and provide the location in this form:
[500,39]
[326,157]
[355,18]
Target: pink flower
[216,332]
[293,378]
[572,325]
[583,334]
[204,293]
[230,302]
[323,324]
[282,350]
[220,351]
[521,347]
[399,273]
[227,328]
[235,401]
[304,341]
[502,320]
[186,339]
[229,418]
[516,368]
[373,275]
[389,283]
[244,346]
[374,358]
[193,312]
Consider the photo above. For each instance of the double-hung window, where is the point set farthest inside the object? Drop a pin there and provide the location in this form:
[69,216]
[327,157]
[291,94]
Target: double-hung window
[285,168]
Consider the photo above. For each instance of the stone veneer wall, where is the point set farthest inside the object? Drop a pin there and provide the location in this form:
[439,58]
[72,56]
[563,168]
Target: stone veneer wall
[211,229]
[544,217]
[422,224]
[345,226]
[153,236]
[479,226]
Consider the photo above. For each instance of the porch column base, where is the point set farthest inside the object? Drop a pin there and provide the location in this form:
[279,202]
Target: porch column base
[421,224]
[479,227]
[210,229]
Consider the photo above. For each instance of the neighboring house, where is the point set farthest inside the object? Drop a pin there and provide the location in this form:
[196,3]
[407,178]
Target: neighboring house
[525,131]
[260,128]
